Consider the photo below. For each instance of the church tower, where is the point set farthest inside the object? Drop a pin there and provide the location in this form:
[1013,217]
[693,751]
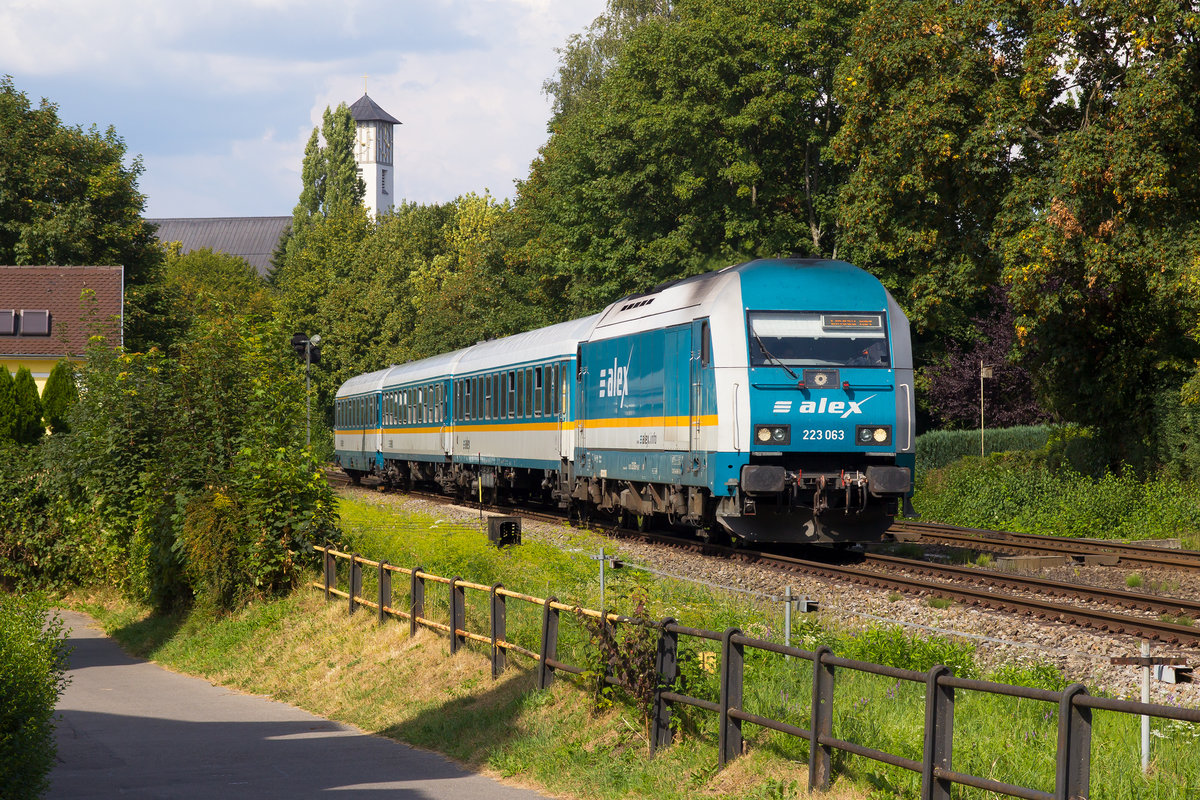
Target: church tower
[373,153]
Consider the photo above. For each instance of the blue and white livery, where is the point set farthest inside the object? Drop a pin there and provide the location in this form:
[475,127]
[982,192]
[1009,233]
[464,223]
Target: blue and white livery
[771,400]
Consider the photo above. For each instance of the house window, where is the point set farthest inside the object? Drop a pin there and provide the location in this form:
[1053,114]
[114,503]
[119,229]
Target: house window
[35,322]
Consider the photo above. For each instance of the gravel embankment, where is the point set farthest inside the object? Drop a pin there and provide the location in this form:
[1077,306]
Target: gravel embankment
[1082,654]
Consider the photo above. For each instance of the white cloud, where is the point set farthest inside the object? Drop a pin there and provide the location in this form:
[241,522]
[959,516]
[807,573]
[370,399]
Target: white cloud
[202,88]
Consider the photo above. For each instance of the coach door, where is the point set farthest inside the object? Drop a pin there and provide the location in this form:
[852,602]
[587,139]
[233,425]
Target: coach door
[701,362]
[677,369]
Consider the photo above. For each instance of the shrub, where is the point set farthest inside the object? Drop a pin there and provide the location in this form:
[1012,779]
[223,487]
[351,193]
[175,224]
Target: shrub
[58,396]
[937,449]
[8,405]
[31,680]
[891,646]
[27,425]
[1022,492]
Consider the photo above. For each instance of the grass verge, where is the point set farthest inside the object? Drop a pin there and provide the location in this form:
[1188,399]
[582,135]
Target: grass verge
[378,678]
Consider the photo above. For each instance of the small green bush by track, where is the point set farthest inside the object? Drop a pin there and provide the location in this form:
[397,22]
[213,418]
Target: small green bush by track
[31,679]
[1022,492]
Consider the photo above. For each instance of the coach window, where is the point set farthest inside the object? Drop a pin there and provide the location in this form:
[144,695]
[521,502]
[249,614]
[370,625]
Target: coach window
[537,391]
[705,344]
[520,393]
[510,390]
[458,402]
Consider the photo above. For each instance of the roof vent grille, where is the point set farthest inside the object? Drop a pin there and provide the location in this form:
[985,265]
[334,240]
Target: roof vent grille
[638,304]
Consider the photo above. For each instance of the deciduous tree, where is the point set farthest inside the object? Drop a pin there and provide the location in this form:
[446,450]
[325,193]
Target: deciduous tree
[70,198]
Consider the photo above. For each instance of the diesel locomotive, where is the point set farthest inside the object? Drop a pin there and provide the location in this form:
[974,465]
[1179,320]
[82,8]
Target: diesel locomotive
[770,401]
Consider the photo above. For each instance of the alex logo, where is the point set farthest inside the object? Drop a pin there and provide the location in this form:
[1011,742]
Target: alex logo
[843,408]
[614,381]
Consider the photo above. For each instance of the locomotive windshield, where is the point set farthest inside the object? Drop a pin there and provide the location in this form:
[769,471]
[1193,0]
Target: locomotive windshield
[807,339]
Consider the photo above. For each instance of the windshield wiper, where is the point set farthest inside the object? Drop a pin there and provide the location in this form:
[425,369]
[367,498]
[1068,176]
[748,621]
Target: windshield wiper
[770,355]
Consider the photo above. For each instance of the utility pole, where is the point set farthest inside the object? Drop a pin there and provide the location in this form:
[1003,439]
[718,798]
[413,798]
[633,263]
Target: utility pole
[985,371]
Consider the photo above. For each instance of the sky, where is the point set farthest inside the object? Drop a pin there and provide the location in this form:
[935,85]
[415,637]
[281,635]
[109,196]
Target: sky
[219,97]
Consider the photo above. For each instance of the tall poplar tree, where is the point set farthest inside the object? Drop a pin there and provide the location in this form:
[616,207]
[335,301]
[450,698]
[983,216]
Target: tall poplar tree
[331,184]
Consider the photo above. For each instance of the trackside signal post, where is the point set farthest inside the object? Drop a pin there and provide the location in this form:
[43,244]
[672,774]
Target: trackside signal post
[306,348]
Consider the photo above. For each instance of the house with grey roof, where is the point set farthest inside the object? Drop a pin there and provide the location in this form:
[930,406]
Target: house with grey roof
[251,238]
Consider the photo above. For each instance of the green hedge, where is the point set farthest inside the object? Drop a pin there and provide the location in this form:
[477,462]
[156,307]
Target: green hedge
[938,449]
[1025,492]
[31,679]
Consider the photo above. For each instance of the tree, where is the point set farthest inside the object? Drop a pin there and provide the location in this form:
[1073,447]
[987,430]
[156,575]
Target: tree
[59,394]
[8,406]
[206,282]
[953,385]
[927,90]
[1100,230]
[700,139]
[69,198]
[27,426]
[331,184]
[1046,146]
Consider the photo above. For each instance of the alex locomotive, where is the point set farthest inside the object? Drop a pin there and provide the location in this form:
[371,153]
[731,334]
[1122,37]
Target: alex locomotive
[771,400]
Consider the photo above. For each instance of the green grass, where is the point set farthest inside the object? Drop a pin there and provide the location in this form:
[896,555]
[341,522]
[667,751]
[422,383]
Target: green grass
[303,651]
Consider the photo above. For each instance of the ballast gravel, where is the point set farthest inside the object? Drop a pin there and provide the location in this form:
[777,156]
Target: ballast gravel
[1082,654]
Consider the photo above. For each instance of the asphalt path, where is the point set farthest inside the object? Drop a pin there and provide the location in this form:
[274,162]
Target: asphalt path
[129,728]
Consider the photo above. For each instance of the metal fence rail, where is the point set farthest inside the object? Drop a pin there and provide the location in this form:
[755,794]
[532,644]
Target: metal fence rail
[1075,705]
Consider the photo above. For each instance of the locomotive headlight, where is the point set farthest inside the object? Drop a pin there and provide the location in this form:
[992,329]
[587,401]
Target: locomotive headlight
[773,434]
[873,434]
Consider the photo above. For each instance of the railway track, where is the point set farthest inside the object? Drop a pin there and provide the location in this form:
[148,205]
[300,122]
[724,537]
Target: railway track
[1029,543]
[968,585]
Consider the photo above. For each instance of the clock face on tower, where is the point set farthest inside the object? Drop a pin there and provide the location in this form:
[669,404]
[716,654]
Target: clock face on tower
[364,144]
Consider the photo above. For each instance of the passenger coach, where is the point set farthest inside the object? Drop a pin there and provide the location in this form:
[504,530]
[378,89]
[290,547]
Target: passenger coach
[770,400]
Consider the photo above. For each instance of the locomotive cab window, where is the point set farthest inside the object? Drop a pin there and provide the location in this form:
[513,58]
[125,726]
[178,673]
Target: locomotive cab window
[809,339]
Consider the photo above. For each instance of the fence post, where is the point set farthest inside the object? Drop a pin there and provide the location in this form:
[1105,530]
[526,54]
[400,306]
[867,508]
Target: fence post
[1071,780]
[549,647]
[729,733]
[499,631]
[820,756]
[330,573]
[458,614]
[939,735]
[417,598]
[667,667]
[355,582]
[385,590]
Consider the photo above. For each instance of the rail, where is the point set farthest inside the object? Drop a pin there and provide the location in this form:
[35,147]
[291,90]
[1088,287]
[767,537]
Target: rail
[1075,705]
